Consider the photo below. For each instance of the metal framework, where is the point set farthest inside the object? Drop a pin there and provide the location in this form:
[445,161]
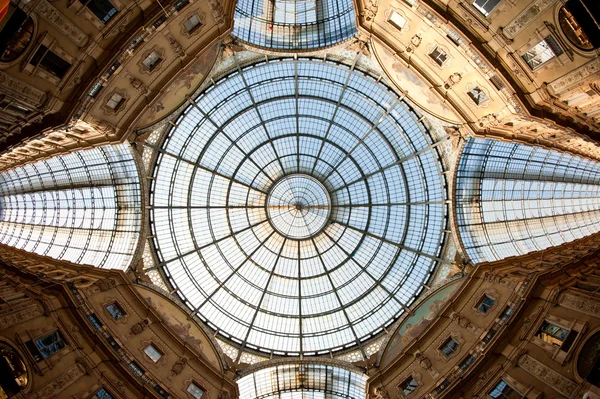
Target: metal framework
[367,174]
[512,199]
[303,381]
[84,207]
[294,24]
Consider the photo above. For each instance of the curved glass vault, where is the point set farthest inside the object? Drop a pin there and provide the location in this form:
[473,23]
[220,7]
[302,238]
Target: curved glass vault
[84,207]
[512,199]
[303,381]
[298,207]
[294,24]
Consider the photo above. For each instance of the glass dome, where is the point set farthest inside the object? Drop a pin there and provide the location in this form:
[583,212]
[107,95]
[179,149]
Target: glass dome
[298,206]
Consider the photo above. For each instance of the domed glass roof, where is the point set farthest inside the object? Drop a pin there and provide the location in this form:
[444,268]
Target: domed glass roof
[298,206]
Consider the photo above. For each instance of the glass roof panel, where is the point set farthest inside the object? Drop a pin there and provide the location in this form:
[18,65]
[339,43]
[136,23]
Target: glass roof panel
[297,230]
[294,24]
[512,199]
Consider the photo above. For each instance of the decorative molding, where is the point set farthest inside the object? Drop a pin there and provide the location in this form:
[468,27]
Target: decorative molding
[584,304]
[525,17]
[53,388]
[21,316]
[217,11]
[21,91]
[60,22]
[576,76]
[556,381]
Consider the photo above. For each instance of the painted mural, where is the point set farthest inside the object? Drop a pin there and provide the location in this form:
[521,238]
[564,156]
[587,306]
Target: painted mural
[416,324]
[178,323]
[415,88]
[185,83]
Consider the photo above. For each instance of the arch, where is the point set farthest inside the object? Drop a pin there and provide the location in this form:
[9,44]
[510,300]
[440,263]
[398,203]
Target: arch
[14,373]
[588,360]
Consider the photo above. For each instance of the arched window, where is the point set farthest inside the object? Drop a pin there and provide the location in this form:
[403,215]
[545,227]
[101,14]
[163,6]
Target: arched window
[294,24]
[512,199]
[13,371]
[588,362]
[15,35]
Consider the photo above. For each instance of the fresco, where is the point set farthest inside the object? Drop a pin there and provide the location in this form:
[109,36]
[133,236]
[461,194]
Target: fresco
[185,83]
[177,320]
[415,88]
[416,324]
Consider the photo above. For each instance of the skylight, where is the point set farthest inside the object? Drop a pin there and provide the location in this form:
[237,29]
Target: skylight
[298,207]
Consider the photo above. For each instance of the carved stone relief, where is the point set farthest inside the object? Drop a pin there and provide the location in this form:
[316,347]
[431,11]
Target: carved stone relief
[548,376]
[525,17]
[580,303]
[60,22]
[575,76]
[53,388]
[21,91]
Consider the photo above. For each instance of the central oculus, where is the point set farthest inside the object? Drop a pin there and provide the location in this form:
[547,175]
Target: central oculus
[298,206]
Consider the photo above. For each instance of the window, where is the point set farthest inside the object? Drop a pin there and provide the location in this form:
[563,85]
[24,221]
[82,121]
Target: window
[449,346]
[192,23]
[103,9]
[408,386]
[115,101]
[96,87]
[556,335]
[151,60]
[497,82]
[485,303]
[50,62]
[103,394]
[15,36]
[467,362]
[152,353]
[477,95]
[136,369]
[94,321]
[508,311]
[115,310]
[46,346]
[195,391]
[485,6]
[180,4]
[542,52]
[439,56]
[397,20]
[504,391]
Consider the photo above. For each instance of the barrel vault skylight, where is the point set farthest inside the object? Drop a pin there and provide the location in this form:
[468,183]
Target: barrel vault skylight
[294,24]
[298,206]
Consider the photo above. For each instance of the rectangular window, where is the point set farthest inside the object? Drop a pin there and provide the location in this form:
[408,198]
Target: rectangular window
[115,310]
[439,56]
[486,6]
[103,394]
[477,95]
[152,353]
[181,4]
[467,362]
[195,390]
[115,101]
[94,321]
[508,311]
[542,52]
[50,62]
[136,369]
[485,303]
[497,82]
[397,20]
[449,346]
[192,23]
[552,333]
[151,60]
[103,9]
[408,386]
[46,346]
[504,391]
